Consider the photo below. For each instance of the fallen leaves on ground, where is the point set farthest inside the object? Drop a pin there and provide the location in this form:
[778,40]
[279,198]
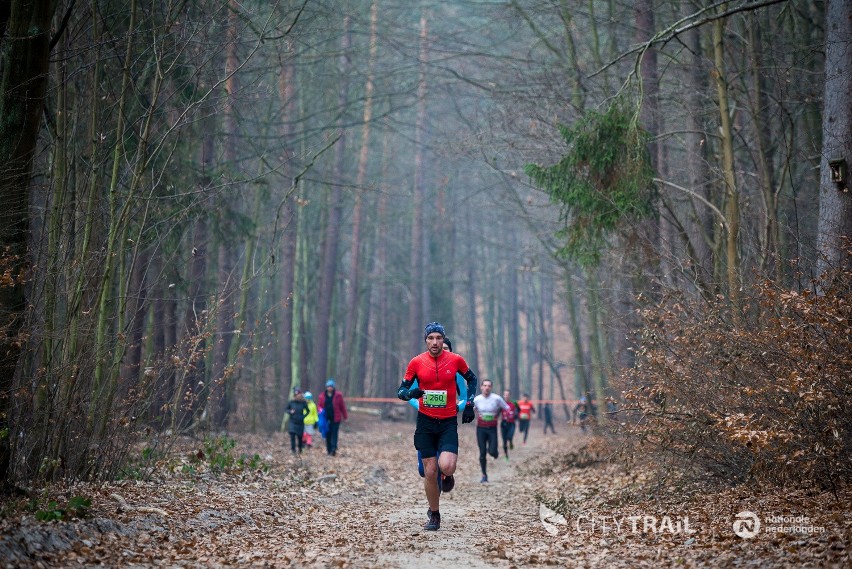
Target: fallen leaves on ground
[366,506]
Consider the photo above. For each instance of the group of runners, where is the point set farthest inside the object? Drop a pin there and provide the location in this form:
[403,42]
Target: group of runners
[436,379]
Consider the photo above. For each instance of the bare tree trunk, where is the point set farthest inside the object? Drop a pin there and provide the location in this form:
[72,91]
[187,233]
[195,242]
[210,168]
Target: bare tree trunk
[114,280]
[220,379]
[699,223]
[289,234]
[769,254]
[538,323]
[191,372]
[328,273]
[302,332]
[384,381]
[216,406]
[137,307]
[581,370]
[596,343]
[353,303]
[472,357]
[835,199]
[732,211]
[359,361]
[25,64]
[578,89]
[242,334]
[417,311]
[170,340]
[650,120]
[513,320]
[194,343]
[160,391]
[495,351]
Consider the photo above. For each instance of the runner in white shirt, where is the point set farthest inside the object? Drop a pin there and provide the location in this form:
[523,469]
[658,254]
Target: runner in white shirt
[488,406]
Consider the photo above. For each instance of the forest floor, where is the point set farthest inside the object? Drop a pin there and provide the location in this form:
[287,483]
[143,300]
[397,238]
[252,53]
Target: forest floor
[366,507]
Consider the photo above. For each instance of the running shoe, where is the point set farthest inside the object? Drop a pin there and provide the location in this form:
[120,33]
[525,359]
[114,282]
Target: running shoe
[434,522]
[448,484]
[484,479]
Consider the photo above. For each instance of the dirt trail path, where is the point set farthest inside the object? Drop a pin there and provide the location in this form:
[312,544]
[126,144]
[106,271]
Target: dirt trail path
[479,521]
[366,507]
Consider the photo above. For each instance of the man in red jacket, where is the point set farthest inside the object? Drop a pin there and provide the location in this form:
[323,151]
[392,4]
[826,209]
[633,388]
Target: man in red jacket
[525,412]
[332,405]
[437,424]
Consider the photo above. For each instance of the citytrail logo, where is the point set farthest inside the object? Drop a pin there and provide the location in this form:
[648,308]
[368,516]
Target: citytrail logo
[590,524]
[747,524]
[551,519]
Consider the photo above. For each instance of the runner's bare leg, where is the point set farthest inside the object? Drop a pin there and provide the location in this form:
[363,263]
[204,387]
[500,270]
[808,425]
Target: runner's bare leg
[430,481]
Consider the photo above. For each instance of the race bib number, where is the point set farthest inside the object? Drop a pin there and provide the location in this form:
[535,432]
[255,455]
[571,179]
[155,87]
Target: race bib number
[486,416]
[435,398]
[525,416]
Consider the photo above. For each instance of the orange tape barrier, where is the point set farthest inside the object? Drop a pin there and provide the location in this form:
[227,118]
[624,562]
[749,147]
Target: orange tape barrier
[395,400]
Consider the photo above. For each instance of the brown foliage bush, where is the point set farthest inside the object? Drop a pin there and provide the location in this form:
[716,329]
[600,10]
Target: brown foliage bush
[762,392]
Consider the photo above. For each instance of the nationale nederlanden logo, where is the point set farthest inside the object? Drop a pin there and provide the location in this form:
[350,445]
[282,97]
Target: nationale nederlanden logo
[747,524]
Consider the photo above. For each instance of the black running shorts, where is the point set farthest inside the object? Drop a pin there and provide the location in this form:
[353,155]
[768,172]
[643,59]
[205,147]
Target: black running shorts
[436,435]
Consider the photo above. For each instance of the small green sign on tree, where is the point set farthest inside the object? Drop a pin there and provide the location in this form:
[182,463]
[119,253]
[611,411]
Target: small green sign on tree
[605,178]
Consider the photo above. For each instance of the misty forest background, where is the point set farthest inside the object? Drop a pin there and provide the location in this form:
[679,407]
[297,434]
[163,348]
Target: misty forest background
[208,202]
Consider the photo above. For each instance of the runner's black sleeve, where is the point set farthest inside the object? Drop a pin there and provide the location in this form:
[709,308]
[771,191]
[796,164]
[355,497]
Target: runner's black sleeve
[402,392]
[471,385]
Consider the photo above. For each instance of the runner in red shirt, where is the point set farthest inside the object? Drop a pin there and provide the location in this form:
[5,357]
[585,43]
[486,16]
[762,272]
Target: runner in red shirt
[507,424]
[437,424]
[525,412]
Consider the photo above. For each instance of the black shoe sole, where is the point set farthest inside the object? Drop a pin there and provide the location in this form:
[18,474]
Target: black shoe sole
[448,484]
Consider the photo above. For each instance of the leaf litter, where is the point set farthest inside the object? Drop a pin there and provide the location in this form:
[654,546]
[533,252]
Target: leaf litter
[366,506]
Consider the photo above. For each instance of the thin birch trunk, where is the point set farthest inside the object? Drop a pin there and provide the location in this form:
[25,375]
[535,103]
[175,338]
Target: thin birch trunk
[732,212]
[289,235]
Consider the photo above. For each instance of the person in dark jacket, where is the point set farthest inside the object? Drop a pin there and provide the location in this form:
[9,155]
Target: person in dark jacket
[548,418]
[297,409]
[332,404]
